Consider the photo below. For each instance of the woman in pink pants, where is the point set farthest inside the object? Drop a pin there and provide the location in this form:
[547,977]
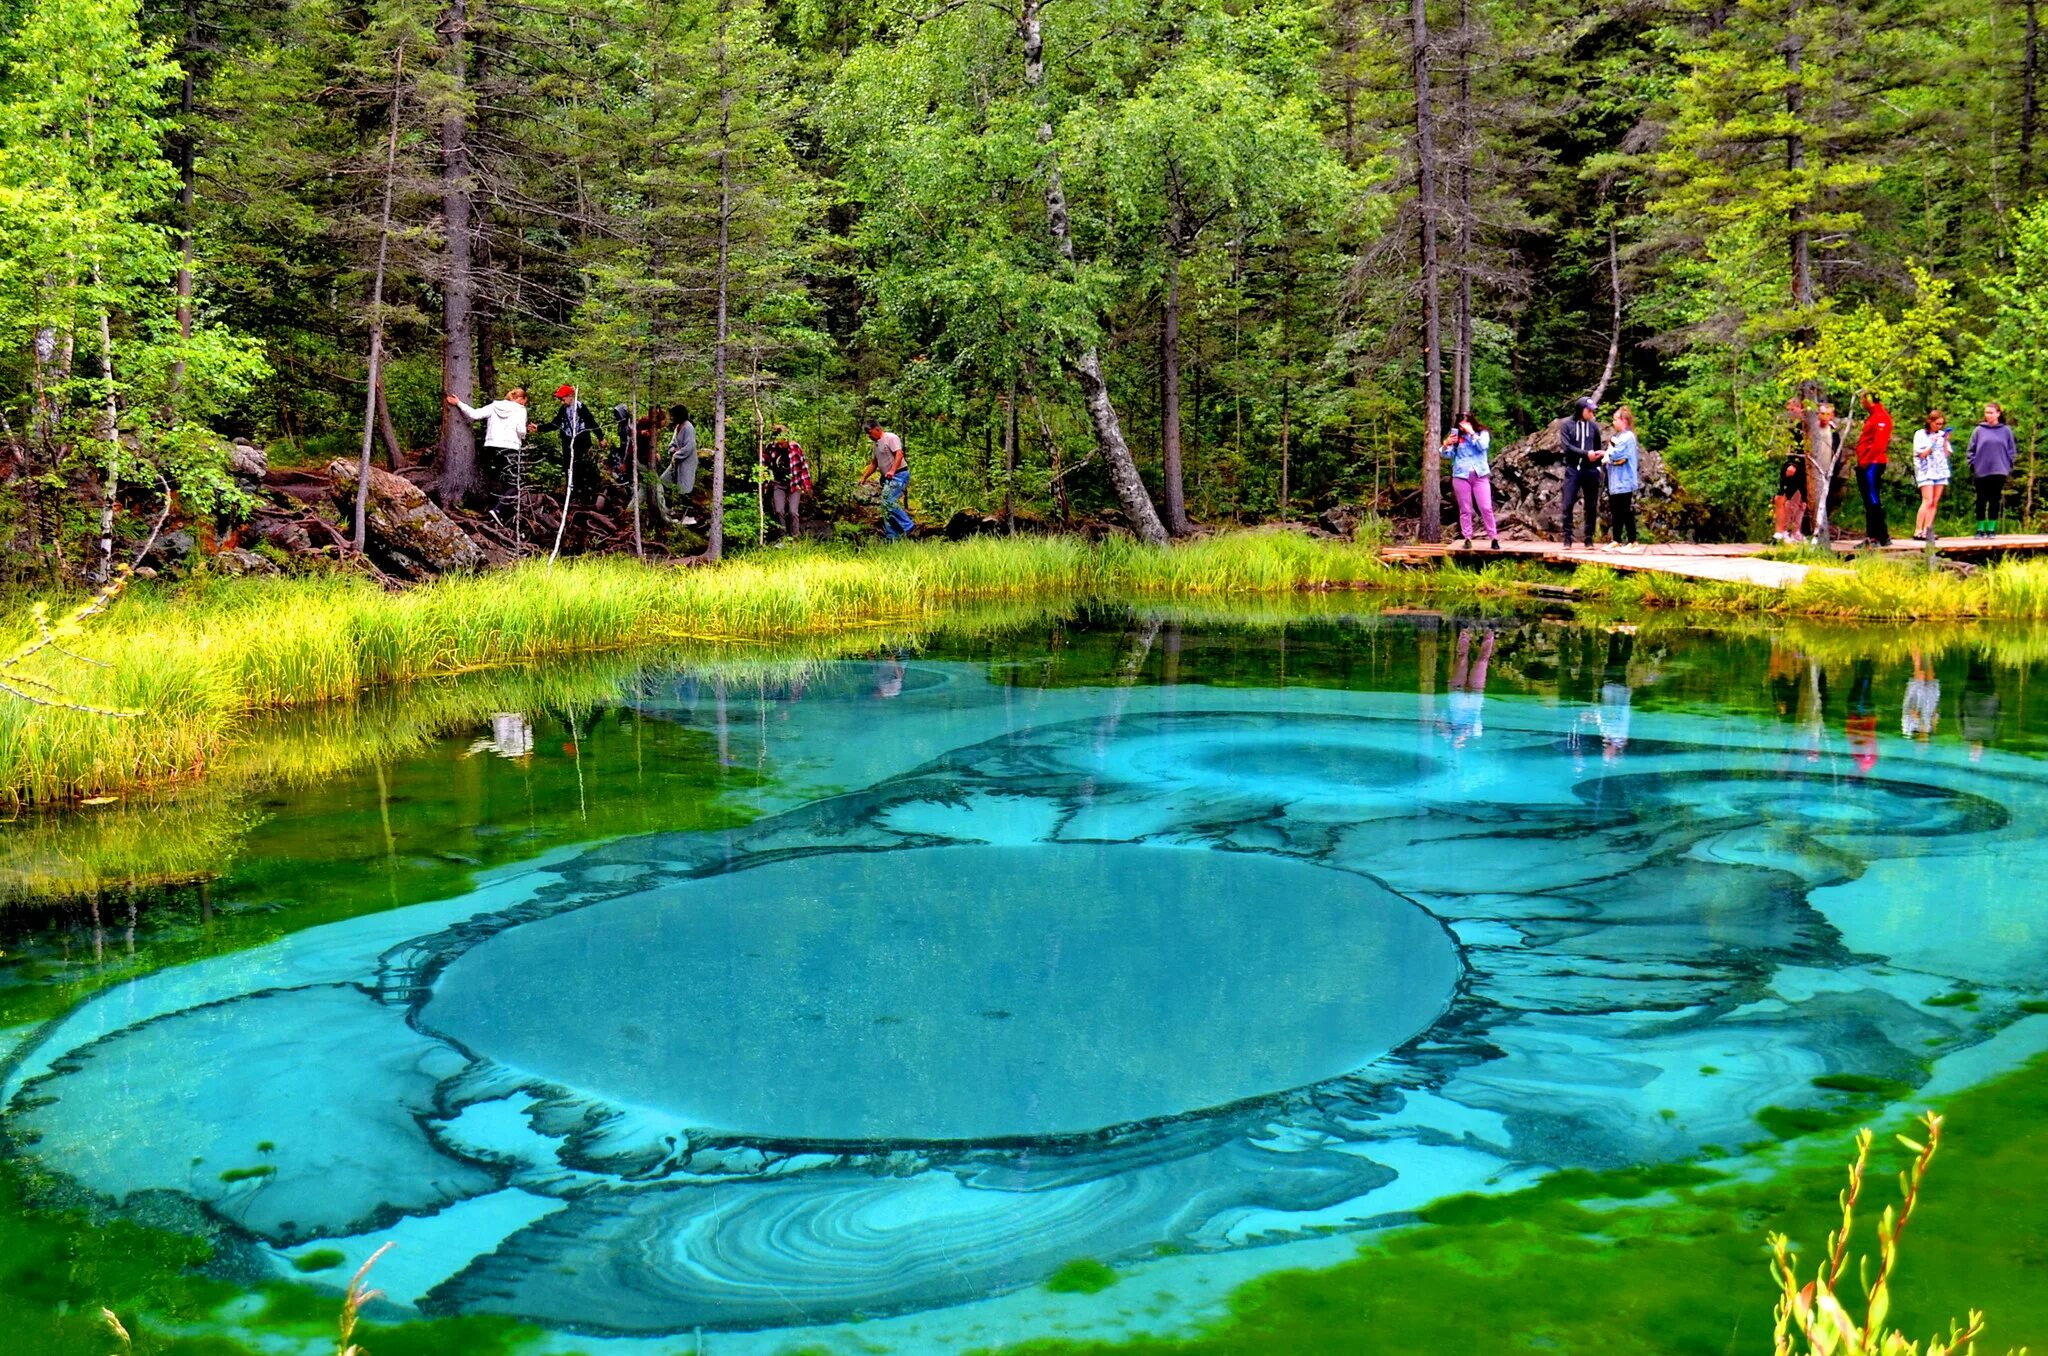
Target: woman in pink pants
[1471,478]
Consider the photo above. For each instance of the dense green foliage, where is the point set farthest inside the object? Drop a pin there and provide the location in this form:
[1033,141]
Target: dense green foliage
[808,211]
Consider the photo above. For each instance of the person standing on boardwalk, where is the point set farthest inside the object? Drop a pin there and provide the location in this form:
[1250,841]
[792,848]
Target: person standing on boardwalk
[1993,450]
[506,424]
[1582,442]
[1790,504]
[1831,449]
[1624,474]
[1873,451]
[1472,479]
[887,461]
[1930,471]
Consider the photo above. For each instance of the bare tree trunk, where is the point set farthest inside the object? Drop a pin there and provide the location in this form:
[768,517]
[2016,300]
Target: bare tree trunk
[1461,384]
[1432,322]
[1010,459]
[1169,401]
[714,544]
[371,400]
[459,477]
[1087,365]
[1614,336]
[112,489]
[1805,291]
[187,150]
[2029,102]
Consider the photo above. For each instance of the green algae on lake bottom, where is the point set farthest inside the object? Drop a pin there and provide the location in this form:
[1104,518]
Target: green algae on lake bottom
[1679,1268]
[1667,1259]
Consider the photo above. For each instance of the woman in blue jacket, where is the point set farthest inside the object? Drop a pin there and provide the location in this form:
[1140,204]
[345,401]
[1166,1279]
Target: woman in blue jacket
[1624,462]
[1472,478]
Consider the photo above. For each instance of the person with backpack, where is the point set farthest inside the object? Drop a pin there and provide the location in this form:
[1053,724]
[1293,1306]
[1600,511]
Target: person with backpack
[887,461]
[1789,506]
[1873,451]
[1582,442]
[1993,450]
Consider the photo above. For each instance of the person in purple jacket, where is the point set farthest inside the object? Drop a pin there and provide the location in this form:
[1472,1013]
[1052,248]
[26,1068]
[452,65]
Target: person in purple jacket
[1993,450]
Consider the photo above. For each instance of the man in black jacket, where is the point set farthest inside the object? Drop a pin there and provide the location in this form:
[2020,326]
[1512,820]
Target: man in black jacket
[1582,443]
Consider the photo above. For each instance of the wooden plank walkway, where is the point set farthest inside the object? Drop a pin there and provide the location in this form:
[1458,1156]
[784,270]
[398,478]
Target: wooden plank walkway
[1729,562]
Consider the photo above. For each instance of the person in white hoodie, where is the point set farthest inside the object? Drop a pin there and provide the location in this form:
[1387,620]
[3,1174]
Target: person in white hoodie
[506,424]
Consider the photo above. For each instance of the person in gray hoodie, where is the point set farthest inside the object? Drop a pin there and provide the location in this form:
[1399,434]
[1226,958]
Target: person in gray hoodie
[1993,450]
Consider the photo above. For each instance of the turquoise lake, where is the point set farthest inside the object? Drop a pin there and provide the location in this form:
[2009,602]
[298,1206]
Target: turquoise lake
[842,1004]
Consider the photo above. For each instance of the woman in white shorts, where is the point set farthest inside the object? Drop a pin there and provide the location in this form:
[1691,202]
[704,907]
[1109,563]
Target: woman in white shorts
[1930,471]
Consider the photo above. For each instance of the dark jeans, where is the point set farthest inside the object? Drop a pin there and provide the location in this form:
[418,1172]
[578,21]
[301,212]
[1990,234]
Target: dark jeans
[1868,479]
[1990,498]
[1581,481]
[785,502]
[1621,513]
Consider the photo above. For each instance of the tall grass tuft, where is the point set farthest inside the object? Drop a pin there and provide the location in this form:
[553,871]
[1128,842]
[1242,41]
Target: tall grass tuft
[196,661]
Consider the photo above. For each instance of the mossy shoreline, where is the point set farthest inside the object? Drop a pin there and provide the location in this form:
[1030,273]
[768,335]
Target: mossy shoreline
[195,662]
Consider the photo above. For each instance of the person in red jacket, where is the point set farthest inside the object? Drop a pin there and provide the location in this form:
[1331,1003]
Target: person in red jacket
[1872,452]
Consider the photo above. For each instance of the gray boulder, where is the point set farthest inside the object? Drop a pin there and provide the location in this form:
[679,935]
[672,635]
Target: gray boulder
[408,534]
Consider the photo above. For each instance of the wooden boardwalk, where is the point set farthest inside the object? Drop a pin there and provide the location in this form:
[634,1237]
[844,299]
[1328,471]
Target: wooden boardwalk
[1729,563]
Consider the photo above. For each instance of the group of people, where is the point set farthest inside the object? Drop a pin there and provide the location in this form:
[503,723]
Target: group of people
[1990,454]
[1593,461]
[663,443]
[1596,459]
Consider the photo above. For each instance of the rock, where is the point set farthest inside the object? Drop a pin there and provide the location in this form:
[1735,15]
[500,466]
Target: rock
[238,560]
[248,461]
[963,525]
[173,549]
[409,535]
[1342,520]
[286,534]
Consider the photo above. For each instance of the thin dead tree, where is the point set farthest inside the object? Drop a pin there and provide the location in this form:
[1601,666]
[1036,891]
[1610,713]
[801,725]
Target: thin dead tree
[372,399]
[1432,320]
[1087,364]
[1614,336]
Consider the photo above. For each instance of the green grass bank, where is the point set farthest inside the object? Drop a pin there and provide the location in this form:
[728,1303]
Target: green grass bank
[196,661]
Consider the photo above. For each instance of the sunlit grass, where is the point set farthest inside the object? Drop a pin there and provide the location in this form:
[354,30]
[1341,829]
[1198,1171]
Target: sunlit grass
[197,661]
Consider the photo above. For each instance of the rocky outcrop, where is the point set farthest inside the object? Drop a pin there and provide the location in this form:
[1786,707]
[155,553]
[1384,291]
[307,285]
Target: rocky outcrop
[409,535]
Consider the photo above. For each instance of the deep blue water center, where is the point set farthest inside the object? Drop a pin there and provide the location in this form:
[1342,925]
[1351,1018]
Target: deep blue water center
[957,993]
[1128,940]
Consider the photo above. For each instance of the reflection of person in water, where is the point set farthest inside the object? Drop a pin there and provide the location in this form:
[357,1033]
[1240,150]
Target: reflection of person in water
[889,677]
[1980,705]
[511,736]
[1922,711]
[1462,720]
[1799,693]
[1861,723]
[1615,693]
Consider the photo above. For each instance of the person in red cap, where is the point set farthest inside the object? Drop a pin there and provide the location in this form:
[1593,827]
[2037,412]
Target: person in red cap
[579,432]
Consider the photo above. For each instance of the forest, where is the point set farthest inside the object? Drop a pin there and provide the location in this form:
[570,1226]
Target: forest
[1100,262]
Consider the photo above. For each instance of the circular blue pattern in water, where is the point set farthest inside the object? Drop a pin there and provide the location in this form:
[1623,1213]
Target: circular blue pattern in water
[966,993]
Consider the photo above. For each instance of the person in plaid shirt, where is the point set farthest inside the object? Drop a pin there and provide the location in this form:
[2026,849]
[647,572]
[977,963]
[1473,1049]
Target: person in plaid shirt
[790,477]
